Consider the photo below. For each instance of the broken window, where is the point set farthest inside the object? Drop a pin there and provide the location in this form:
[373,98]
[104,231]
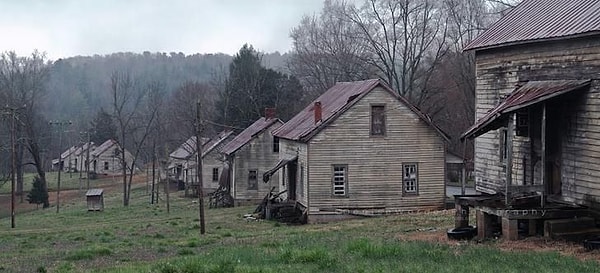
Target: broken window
[377,120]
[106,165]
[215,174]
[340,180]
[410,179]
[523,123]
[275,144]
[252,180]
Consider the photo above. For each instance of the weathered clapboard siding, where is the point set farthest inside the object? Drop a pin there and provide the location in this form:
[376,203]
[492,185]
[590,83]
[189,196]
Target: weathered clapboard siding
[258,155]
[498,70]
[290,149]
[375,163]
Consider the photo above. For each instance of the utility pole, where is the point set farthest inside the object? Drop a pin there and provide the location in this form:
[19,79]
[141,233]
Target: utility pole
[199,167]
[87,160]
[60,125]
[13,173]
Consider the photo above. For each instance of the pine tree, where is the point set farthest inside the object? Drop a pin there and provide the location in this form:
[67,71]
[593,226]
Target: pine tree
[37,195]
[103,127]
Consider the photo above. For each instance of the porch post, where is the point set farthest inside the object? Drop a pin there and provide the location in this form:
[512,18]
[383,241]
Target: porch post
[509,155]
[543,174]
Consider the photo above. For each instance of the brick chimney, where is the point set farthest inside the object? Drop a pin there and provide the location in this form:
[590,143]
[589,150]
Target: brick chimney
[269,113]
[318,112]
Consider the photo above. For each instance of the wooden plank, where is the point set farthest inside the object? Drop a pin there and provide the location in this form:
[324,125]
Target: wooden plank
[509,157]
[543,174]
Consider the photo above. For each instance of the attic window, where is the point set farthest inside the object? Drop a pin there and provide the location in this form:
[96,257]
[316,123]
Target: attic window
[377,120]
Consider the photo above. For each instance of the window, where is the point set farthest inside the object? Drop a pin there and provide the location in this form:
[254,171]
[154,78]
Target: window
[377,120]
[301,184]
[503,145]
[275,144]
[252,180]
[410,180]
[215,175]
[106,165]
[523,123]
[340,180]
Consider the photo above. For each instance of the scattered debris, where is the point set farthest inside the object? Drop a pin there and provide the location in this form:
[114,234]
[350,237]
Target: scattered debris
[273,207]
[220,198]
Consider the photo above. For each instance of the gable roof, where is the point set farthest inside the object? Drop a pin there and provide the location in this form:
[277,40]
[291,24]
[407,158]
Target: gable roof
[336,101]
[68,152]
[83,148]
[528,94]
[103,147]
[187,149]
[539,20]
[245,136]
[215,142]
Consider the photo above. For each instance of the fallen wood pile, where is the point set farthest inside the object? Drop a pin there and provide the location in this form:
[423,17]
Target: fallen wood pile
[273,207]
[220,198]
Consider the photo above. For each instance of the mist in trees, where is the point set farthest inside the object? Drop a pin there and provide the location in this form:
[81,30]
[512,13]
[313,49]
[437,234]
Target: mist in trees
[103,127]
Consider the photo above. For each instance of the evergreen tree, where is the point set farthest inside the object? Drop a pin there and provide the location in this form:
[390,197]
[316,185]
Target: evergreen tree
[250,88]
[103,128]
[37,195]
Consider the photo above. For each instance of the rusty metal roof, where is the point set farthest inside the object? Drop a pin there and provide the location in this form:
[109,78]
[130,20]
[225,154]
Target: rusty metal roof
[245,136]
[539,20]
[103,147]
[215,142]
[528,94]
[188,148]
[334,102]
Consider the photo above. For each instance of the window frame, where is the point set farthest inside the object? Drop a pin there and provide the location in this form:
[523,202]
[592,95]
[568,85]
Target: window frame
[405,179]
[215,175]
[106,166]
[276,144]
[372,126]
[503,145]
[333,182]
[253,186]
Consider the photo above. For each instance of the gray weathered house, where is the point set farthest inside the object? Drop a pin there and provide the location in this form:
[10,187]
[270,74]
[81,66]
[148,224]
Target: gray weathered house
[185,158]
[106,158]
[250,154]
[361,148]
[537,134]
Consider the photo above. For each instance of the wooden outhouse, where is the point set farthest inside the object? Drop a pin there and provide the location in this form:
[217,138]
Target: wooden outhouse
[537,129]
[95,199]
[360,148]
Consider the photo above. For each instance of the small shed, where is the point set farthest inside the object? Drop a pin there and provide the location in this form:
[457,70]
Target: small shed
[95,199]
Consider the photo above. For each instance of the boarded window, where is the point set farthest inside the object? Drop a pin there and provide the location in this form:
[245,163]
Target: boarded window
[275,144]
[106,165]
[252,180]
[215,174]
[377,120]
[340,180]
[410,178]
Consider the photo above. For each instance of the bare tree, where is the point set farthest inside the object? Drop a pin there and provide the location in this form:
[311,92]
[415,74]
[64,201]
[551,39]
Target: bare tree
[326,51]
[135,109]
[22,82]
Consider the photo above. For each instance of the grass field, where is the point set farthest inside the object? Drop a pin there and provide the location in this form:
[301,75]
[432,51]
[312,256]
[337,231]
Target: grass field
[68,181]
[145,238]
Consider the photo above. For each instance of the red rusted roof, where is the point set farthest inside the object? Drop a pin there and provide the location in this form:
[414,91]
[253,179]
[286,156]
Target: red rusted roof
[334,102]
[245,136]
[523,96]
[215,142]
[537,20]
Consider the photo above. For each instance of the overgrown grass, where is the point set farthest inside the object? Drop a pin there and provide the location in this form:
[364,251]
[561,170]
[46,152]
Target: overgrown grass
[145,238]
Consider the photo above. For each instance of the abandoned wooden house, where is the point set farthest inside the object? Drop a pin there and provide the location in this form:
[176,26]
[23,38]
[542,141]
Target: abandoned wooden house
[66,160]
[537,129]
[82,155]
[106,158]
[249,155]
[358,149]
[184,162]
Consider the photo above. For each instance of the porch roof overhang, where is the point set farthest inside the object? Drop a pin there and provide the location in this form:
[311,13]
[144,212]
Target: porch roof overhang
[525,95]
[267,175]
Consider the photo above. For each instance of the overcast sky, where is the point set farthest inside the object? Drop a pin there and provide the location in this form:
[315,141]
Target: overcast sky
[64,28]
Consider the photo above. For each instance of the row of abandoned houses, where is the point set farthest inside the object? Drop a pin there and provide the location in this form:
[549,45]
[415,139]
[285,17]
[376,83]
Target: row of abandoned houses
[362,147]
[104,159]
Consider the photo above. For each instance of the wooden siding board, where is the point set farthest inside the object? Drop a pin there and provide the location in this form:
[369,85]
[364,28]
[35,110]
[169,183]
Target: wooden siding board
[497,73]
